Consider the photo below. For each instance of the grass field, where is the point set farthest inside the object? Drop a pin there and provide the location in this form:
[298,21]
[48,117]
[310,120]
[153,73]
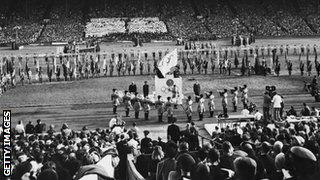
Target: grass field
[87,102]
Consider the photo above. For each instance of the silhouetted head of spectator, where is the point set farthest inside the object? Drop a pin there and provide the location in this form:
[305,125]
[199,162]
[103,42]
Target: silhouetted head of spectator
[202,154]
[146,133]
[245,168]
[171,149]
[280,161]
[227,148]
[183,147]
[303,161]
[48,174]
[265,147]
[214,156]
[185,163]
[22,170]
[277,147]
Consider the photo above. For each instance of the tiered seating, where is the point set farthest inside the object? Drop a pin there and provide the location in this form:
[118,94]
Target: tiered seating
[99,27]
[143,25]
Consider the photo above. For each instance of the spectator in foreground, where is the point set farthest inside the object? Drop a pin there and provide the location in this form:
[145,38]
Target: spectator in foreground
[156,157]
[304,164]
[169,163]
[245,168]
[185,168]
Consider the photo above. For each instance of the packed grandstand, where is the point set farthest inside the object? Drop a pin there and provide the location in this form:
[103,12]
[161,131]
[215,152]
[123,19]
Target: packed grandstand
[35,21]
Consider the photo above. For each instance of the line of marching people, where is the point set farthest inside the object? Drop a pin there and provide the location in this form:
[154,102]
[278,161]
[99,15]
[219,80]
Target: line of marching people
[132,100]
[33,68]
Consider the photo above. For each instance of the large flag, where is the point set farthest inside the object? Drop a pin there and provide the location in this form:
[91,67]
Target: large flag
[168,61]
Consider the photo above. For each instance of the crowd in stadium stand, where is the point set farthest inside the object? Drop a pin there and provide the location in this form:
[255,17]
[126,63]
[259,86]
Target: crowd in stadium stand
[187,19]
[251,152]
[143,25]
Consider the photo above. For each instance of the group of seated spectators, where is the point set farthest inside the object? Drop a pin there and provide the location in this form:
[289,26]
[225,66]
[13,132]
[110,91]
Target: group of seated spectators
[191,20]
[99,27]
[143,25]
[251,152]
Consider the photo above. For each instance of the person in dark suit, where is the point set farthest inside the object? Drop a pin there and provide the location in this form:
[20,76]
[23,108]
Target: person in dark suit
[29,128]
[145,142]
[145,89]
[197,90]
[132,88]
[173,132]
[40,127]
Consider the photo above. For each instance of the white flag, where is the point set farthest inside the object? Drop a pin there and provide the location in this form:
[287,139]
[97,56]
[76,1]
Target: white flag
[168,61]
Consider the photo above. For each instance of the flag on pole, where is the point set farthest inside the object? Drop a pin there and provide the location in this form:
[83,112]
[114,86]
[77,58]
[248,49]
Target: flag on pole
[168,61]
